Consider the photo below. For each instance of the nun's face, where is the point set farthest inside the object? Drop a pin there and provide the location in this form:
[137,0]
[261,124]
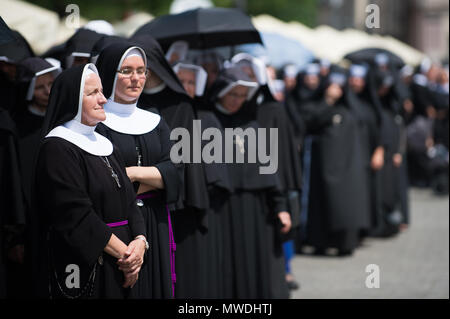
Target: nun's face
[9,69]
[312,81]
[234,99]
[93,100]
[357,84]
[129,87]
[250,73]
[334,92]
[187,78]
[212,69]
[42,89]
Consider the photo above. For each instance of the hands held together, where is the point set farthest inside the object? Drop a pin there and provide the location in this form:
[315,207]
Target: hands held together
[131,261]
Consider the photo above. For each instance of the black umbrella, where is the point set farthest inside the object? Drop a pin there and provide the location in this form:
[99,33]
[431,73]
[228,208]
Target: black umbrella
[13,45]
[368,56]
[203,28]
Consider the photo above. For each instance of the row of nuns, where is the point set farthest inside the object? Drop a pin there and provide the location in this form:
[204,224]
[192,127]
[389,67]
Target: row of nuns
[365,134]
[93,206]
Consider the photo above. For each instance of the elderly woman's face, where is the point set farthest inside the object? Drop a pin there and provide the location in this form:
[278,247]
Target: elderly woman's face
[187,78]
[234,99]
[93,100]
[42,89]
[129,87]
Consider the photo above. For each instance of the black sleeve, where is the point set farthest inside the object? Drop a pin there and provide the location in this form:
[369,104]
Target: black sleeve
[277,199]
[318,116]
[64,201]
[292,110]
[135,218]
[172,174]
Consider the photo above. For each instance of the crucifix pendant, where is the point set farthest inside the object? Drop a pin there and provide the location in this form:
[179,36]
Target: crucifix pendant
[113,174]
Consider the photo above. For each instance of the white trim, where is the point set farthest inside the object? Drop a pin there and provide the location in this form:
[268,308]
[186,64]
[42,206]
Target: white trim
[253,87]
[200,76]
[129,119]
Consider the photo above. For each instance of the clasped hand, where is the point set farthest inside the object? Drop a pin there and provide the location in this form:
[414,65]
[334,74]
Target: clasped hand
[131,261]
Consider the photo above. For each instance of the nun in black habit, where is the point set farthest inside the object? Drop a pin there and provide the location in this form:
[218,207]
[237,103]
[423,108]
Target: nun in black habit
[257,209]
[165,95]
[12,210]
[30,118]
[143,139]
[308,89]
[394,197]
[90,239]
[338,197]
[212,247]
[368,118]
[272,114]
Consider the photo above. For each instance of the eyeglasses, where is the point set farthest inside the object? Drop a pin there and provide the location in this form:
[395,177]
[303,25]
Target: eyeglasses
[128,72]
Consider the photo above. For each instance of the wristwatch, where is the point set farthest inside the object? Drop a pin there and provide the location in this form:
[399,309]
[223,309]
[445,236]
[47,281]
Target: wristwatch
[142,237]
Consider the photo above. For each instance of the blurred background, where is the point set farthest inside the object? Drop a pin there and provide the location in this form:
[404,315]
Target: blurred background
[319,25]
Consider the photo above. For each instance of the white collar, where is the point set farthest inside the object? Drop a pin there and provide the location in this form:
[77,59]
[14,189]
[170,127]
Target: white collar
[129,119]
[84,137]
[35,111]
[155,89]
[222,110]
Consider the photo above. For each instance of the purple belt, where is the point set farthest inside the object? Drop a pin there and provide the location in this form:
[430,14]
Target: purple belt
[117,224]
[147,195]
[172,244]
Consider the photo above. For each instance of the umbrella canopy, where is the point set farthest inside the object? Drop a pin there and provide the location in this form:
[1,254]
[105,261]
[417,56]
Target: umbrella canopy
[203,28]
[368,56]
[13,47]
[279,50]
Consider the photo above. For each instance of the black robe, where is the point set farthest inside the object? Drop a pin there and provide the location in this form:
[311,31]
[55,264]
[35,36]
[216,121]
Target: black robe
[369,128]
[338,204]
[190,216]
[154,147]
[254,260]
[217,237]
[394,180]
[272,114]
[76,197]
[12,210]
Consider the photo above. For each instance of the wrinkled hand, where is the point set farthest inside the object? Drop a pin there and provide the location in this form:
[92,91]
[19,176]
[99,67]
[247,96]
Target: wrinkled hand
[285,219]
[131,262]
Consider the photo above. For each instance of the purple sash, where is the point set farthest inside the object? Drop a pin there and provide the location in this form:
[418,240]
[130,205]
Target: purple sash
[117,224]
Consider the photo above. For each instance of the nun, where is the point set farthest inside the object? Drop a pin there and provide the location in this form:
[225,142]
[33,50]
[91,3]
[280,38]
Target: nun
[142,137]
[271,114]
[393,174]
[368,118]
[91,238]
[29,119]
[337,203]
[12,217]
[165,95]
[256,211]
[308,89]
[209,249]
